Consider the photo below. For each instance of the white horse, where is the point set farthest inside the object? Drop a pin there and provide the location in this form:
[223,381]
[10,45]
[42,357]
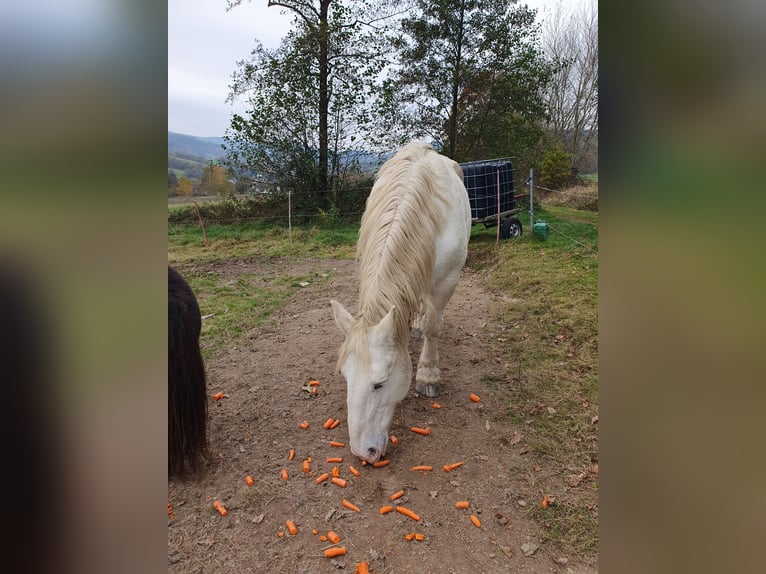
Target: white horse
[413,242]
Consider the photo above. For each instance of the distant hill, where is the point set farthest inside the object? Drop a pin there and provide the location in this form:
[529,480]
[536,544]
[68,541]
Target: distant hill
[206,148]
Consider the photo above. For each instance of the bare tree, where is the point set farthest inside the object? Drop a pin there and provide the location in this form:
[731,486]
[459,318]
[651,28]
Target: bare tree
[571,38]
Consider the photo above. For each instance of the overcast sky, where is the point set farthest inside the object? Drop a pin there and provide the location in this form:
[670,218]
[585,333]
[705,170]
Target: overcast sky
[205,42]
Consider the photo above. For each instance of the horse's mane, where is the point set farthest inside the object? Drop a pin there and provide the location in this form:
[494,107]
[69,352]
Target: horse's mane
[396,246]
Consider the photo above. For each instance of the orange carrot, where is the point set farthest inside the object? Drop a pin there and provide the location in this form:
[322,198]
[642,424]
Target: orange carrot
[306,466]
[335,459]
[284,474]
[328,422]
[407,512]
[409,536]
[462,504]
[170,511]
[395,495]
[334,552]
[323,538]
[336,443]
[436,406]
[351,506]
[321,478]
[335,423]
[304,425]
[426,431]
[217,396]
[313,390]
[333,537]
[422,467]
[362,568]
[475,398]
[476,521]
[314,531]
[381,463]
[451,467]
[291,528]
[420,537]
[280,534]
[354,471]
[339,482]
[364,463]
[249,480]
[394,440]
[220,508]
[313,383]
[291,455]
[546,501]
[308,458]
[335,472]
[386,509]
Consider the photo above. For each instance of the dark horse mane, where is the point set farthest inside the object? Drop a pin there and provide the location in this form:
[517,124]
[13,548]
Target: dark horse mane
[187,386]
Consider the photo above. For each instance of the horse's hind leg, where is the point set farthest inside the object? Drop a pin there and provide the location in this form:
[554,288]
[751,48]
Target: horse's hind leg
[428,374]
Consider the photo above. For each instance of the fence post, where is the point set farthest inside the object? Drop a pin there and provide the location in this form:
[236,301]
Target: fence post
[289,216]
[497,238]
[201,223]
[531,199]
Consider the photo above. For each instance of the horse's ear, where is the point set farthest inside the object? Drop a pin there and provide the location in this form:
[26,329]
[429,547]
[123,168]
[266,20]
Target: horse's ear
[383,332]
[343,318]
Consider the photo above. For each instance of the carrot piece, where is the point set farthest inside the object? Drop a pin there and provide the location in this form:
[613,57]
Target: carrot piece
[409,536]
[217,396]
[407,512]
[308,458]
[335,471]
[354,471]
[546,501]
[285,476]
[335,459]
[394,440]
[422,467]
[313,390]
[333,537]
[419,536]
[335,423]
[362,568]
[436,406]
[314,531]
[474,397]
[291,528]
[351,506]
[364,463]
[386,509]
[476,521]
[304,425]
[336,443]
[451,467]
[249,480]
[321,478]
[291,455]
[339,482]
[462,504]
[280,534]
[395,495]
[334,552]
[426,431]
[381,463]
[313,383]
[220,508]
[323,538]
[306,466]
[328,422]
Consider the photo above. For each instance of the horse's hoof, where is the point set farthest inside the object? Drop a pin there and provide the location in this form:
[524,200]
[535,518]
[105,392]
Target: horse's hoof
[430,390]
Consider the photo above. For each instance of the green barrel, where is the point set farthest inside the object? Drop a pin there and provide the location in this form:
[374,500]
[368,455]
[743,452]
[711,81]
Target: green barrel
[540,229]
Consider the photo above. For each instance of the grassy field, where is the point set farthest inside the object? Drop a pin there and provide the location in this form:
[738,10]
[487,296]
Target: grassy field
[547,299]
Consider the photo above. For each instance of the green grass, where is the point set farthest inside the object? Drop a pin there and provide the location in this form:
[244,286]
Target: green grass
[550,312]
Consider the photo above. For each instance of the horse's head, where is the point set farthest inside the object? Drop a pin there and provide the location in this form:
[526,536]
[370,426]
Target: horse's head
[377,372]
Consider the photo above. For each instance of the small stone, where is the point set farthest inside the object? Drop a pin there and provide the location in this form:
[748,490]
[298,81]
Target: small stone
[529,548]
[561,561]
[433,494]
[258,519]
[521,502]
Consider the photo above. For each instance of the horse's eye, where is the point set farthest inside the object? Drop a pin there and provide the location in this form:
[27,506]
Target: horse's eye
[376,386]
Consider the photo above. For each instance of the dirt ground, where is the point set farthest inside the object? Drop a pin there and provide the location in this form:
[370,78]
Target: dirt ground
[256,424]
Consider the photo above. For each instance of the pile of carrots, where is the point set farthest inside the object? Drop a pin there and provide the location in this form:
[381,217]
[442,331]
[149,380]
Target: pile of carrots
[334,475]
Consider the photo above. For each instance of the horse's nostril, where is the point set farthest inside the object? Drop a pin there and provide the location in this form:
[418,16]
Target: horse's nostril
[372,450]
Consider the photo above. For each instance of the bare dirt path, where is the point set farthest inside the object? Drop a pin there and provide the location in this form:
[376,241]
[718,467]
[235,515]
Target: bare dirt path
[254,427]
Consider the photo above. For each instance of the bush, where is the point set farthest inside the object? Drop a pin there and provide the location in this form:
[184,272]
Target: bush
[556,170]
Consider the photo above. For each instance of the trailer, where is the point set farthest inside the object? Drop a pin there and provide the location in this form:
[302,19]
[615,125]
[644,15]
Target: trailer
[489,184]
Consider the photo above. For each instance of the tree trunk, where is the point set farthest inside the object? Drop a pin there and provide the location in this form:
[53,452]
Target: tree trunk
[452,127]
[324,72]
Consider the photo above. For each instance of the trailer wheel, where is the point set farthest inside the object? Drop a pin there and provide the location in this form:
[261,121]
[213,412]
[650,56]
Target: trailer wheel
[511,227]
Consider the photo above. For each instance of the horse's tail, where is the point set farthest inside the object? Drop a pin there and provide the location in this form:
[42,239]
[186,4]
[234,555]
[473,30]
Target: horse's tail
[187,386]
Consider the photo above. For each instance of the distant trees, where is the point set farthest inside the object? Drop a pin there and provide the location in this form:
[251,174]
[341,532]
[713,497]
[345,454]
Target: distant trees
[185,186]
[472,77]
[571,38]
[215,181]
